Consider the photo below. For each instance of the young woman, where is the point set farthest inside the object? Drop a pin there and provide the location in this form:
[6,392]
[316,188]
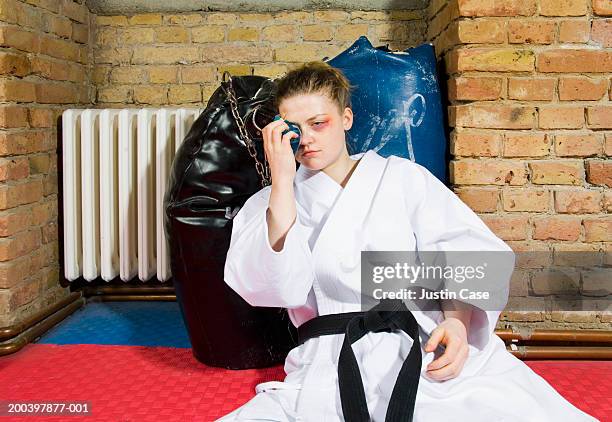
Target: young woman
[296,244]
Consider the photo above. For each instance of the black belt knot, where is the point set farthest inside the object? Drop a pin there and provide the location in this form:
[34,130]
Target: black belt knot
[387,316]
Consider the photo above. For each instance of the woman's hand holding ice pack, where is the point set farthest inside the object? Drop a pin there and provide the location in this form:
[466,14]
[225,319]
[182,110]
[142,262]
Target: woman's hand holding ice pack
[279,154]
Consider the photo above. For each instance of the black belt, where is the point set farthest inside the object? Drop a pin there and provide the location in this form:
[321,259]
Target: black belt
[354,325]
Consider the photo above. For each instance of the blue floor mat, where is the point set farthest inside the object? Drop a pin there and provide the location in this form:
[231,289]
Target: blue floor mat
[135,323]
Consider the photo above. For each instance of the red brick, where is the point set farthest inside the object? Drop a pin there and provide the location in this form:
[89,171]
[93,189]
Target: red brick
[581,88]
[531,89]
[13,116]
[13,272]
[574,60]
[28,17]
[51,5]
[601,32]
[15,221]
[607,203]
[474,144]
[577,201]
[556,228]
[525,199]
[438,22]
[487,172]
[596,282]
[602,7]
[14,64]
[519,283]
[539,254]
[557,172]
[481,31]
[463,88]
[560,117]
[26,291]
[587,254]
[574,31]
[507,227]
[44,212]
[51,69]
[598,229]
[495,60]
[20,244]
[75,11]
[599,117]
[531,32]
[60,26]
[599,172]
[62,49]
[497,8]
[579,145]
[17,90]
[41,117]
[57,94]
[494,116]
[479,199]
[563,8]
[19,39]
[24,142]
[556,282]
[80,33]
[526,144]
[20,193]
[14,169]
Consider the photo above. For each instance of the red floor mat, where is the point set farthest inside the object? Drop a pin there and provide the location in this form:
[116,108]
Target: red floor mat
[133,383]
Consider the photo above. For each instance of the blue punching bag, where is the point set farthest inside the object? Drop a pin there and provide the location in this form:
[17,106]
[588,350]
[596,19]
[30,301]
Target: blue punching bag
[396,104]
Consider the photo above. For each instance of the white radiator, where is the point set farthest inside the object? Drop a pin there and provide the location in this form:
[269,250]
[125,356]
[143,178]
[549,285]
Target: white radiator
[116,163]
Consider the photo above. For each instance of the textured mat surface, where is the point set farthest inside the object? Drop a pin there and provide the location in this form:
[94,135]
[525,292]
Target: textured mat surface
[122,323]
[586,384]
[130,383]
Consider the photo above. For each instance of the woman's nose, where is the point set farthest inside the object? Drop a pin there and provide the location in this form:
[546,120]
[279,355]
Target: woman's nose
[306,137]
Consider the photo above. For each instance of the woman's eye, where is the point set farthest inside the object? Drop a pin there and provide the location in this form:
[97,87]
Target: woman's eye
[318,123]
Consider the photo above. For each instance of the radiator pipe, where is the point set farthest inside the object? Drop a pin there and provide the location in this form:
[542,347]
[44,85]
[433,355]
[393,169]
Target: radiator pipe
[12,331]
[588,336]
[32,332]
[89,291]
[560,352]
[126,298]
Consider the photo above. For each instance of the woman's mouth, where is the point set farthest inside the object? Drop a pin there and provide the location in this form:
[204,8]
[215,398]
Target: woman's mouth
[309,154]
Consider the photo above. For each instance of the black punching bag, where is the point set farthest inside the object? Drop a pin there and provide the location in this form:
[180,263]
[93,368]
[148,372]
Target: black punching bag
[212,175]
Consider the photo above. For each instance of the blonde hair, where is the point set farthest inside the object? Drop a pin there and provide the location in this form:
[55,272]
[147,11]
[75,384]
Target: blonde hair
[315,77]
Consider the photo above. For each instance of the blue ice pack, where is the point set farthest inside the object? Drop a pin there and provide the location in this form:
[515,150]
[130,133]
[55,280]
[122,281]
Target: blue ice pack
[293,127]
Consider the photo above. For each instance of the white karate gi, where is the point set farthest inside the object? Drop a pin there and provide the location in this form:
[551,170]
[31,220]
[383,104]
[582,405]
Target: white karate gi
[388,204]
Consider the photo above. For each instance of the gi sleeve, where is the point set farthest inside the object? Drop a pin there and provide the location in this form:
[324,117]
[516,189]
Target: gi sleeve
[258,273]
[443,222]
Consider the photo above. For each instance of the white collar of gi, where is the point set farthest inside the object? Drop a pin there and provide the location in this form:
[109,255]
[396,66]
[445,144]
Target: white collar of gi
[305,174]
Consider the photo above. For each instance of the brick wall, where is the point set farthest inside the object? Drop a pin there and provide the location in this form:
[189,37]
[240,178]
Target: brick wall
[44,68]
[529,92]
[157,59]
[531,118]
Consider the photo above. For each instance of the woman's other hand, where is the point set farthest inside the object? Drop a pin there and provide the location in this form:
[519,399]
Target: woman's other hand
[278,152]
[451,333]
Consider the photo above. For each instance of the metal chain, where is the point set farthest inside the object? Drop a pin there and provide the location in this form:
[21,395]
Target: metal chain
[263,170]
